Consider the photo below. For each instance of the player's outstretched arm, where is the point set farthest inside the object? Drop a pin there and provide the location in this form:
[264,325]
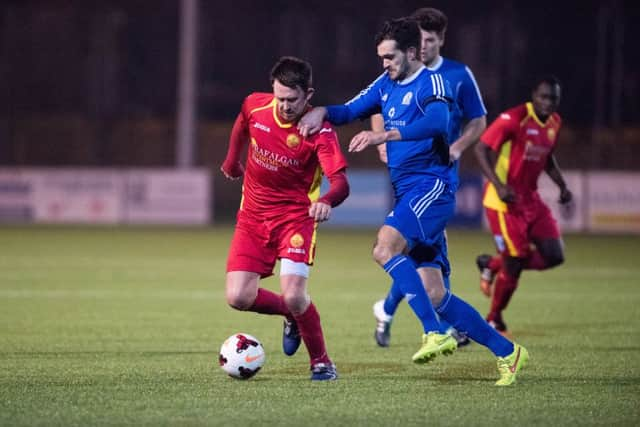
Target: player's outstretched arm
[470,134]
[435,122]
[553,170]
[232,167]
[487,164]
[363,105]
[367,137]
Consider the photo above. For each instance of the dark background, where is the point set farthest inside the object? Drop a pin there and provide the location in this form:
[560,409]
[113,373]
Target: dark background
[94,82]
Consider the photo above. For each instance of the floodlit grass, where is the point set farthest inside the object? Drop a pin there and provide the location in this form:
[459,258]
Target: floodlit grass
[104,326]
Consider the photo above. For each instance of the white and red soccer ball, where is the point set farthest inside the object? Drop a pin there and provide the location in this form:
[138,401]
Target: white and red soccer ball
[241,356]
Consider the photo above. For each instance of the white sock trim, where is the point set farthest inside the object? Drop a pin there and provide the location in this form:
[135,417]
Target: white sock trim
[290,267]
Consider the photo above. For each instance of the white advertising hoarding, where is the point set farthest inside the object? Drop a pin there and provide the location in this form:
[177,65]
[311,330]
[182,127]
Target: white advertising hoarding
[105,196]
[570,217]
[614,201]
[167,196]
[77,196]
[16,195]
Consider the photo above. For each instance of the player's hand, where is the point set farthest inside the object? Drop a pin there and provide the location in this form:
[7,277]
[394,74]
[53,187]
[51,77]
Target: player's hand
[565,196]
[382,153]
[366,138]
[320,211]
[454,154]
[506,194]
[233,171]
[311,122]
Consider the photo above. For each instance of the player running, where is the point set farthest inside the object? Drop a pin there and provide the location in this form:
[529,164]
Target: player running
[512,154]
[281,207]
[467,122]
[414,102]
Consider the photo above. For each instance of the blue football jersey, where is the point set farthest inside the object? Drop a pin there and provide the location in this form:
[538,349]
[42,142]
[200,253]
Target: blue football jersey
[467,100]
[466,95]
[401,103]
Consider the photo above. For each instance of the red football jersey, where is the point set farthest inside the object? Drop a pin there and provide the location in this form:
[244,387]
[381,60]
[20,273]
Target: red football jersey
[283,170]
[523,143]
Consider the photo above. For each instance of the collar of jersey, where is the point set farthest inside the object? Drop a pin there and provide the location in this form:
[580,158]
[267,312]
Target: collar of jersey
[532,113]
[437,65]
[276,118]
[413,76]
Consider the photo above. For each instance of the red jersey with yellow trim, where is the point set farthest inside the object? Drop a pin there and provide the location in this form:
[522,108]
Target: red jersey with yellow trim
[523,143]
[283,170]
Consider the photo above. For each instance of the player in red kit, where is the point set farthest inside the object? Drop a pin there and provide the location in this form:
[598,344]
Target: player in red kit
[512,153]
[281,207]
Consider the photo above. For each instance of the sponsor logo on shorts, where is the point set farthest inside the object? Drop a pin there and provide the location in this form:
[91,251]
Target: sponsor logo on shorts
[296,243]
[296,240]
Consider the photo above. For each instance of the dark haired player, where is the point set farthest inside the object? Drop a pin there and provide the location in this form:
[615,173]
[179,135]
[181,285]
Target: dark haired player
[281,207]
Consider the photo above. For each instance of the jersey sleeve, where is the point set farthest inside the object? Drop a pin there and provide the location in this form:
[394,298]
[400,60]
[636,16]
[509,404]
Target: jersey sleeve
[434,122]
[328,151]
[363,105]
[500,131]
[237,141]
[470,96]
[436,89]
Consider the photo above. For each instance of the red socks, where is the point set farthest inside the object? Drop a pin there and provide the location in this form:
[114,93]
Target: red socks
[496,263]
[311,332]
[504,287]
[535,261]
[268,302]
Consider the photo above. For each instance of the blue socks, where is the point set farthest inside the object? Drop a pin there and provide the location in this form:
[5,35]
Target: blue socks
[394,298]
[452,310]
[407,282]
[466,319]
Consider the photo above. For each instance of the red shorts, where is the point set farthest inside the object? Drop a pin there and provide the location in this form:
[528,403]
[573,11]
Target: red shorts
[256,245]
[516,230]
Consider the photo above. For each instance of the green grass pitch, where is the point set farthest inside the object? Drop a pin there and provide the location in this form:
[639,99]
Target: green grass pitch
[122,326]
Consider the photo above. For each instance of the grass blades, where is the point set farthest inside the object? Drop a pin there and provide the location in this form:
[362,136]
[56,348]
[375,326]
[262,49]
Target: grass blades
[122,326]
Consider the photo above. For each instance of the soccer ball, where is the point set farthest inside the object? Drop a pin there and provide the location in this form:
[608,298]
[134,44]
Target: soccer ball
[241,356]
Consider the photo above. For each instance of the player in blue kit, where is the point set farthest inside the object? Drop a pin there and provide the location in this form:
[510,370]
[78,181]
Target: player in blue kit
[467,122]
[415,102]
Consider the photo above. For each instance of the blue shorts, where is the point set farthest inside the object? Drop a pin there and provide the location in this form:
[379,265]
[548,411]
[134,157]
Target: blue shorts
[421,216]
[435,256]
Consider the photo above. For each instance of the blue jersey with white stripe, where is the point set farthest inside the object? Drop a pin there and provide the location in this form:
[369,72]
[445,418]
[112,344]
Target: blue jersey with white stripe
[402,103]
[467,99]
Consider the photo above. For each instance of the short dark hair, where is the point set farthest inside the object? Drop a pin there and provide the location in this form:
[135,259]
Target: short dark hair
[291,72]
[549,79]
[404,31]
[431,19]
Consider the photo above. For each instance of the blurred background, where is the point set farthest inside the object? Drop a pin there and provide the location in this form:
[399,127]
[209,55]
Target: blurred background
[119,111]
